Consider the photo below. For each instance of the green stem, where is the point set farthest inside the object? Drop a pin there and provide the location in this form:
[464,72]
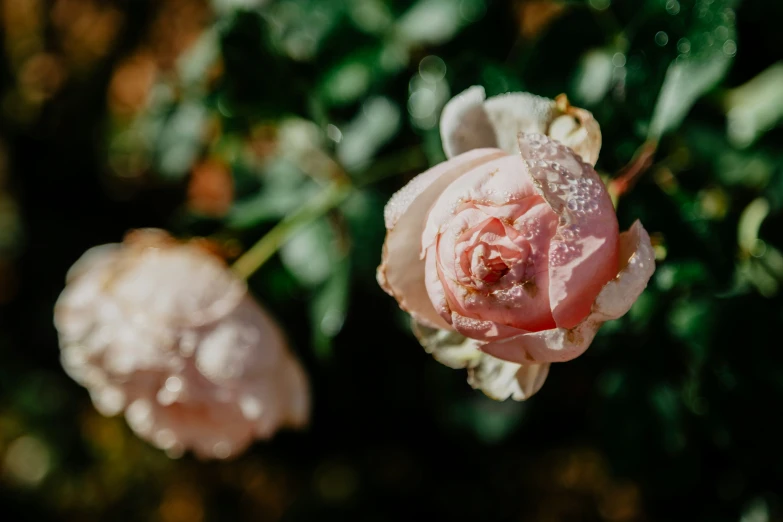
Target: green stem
[258,254]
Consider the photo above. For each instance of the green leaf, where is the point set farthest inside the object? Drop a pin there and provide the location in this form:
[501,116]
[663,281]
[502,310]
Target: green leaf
[193,65]
[755,107]
[329,306]
[180,139]
[310,252]
[377,122]
[593,78]
[280,196]
[705,57]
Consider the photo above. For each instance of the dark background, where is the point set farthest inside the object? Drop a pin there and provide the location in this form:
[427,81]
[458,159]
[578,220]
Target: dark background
[673,414]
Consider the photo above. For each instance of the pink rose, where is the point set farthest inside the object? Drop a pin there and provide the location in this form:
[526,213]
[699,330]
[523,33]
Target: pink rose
[164,332]
[508,263]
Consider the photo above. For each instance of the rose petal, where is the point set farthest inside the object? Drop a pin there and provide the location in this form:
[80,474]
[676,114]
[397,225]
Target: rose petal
[578,130]
[498,379]
[464,125]
[401,273]
[637,264]
[517,112]
[637,261]
[471,121]
[499,182]
[447,347]
[583,252]
[481,186]
[93,259]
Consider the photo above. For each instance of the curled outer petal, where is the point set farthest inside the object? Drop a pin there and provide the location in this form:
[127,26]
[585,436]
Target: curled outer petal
[498,379]
[637,264]
[470,121]
[401,275]
[583,252]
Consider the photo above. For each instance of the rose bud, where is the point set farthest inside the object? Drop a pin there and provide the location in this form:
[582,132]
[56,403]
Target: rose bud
[510,262]
[163,331]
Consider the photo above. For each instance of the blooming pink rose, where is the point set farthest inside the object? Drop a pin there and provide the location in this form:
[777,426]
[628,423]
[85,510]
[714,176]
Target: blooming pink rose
[510,262]
[163,331]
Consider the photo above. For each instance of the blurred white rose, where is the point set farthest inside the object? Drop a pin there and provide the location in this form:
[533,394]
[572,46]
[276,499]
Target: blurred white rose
[163,331]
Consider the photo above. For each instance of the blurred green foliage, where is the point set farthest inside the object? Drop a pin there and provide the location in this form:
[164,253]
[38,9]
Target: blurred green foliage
[125,114]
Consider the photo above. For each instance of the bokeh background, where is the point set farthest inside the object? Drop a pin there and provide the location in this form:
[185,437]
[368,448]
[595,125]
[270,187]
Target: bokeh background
[220,118]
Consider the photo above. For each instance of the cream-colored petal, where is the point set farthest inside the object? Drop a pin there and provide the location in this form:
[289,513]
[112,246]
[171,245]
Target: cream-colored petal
[637,264]
[497,379]
[465,125]
[401,273]
[576,128]
[518,112]
[447,347]
[500,380]
[471,121]
[93,260]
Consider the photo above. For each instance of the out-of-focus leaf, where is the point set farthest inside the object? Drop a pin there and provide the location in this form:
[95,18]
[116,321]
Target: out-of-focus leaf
[309,254]
[594,77]
[755,107]
[299,27]
[750,223]
[371,16]
[711,46]
[271,203]
[192,66]
[224,7]
[427,97]
[180,139]
[329,306]
[690,320]
[348,81]
[430,22]
[377,122]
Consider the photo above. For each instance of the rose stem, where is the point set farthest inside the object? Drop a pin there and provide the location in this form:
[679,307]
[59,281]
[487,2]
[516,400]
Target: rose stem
[332,195]
[630,174]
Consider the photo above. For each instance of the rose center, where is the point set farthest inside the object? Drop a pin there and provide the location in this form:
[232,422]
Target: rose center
[486,264]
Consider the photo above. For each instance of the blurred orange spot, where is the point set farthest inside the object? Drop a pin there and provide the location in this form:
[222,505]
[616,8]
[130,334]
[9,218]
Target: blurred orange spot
[620,502]
[86,29]
[41,77]
[131,83]
[536,15]
[211,188]
[22,28]
[181,503]
[583,470]
[263,141]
